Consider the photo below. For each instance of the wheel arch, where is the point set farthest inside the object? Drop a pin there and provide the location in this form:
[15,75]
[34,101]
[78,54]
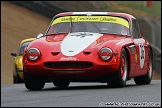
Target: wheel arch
[128,58]
[149,47]
[15,69]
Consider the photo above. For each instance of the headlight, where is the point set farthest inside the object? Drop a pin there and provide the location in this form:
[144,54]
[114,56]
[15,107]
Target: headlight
[105,54]
[33,54]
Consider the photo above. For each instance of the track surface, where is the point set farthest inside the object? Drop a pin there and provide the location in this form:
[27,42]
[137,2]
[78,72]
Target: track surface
[81,95]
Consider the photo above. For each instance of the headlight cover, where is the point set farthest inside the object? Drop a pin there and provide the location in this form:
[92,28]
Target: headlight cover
[105,54]
[33,54]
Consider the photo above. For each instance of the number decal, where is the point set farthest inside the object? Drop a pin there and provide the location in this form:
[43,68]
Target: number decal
[142,54]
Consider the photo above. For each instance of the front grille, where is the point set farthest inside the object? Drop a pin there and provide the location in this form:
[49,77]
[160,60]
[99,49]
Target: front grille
[68,65]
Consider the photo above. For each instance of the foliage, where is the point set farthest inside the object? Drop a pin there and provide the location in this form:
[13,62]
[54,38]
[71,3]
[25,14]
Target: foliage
[136,8]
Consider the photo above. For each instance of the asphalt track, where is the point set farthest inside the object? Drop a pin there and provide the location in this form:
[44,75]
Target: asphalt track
[82,95]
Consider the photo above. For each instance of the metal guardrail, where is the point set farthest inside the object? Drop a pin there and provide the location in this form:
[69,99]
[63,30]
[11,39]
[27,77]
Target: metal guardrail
[151,31]
[157,49]
[41,7]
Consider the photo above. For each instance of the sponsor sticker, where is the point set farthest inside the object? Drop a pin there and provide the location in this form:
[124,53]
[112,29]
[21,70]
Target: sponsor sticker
[120,42]
[67,58]
[111,19]
[142,55]
[136,58]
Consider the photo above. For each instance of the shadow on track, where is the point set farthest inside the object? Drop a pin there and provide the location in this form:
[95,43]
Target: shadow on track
[83,87]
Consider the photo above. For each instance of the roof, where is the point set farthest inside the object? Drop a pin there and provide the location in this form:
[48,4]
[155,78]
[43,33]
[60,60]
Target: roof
[28,39]
[128,16]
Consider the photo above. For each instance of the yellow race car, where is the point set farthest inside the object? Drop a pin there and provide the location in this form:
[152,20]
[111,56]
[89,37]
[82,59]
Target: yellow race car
[18,65]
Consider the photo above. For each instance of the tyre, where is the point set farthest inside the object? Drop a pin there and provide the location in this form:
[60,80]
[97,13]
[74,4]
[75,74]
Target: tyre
[33,82]
[146,79]
[17,79]
[119,78]
[60,83]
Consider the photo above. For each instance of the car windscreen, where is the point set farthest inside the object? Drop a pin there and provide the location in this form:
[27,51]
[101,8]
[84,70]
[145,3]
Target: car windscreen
[95,24]
[22,47]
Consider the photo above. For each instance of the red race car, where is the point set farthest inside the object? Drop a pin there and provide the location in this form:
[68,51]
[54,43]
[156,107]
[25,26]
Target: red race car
[102,47]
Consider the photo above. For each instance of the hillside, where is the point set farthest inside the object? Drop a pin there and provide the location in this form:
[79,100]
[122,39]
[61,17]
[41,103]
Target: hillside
[18,23]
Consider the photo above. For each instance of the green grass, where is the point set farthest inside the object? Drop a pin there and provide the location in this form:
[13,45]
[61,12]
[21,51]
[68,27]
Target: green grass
[154,10]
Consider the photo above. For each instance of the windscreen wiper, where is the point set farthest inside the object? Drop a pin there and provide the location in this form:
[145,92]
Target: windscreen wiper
[70,25]
[56,33]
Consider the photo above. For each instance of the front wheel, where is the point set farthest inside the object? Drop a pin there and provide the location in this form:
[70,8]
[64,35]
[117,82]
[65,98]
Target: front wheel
[60,83]
[33,82]
[17,79]
[119,78]
[146,79]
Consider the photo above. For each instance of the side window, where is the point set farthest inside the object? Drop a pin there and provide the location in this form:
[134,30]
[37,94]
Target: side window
[137,29]
[135,32]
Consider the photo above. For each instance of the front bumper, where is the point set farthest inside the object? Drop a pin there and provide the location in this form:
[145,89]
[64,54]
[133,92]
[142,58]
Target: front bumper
[94,71]
[20,72]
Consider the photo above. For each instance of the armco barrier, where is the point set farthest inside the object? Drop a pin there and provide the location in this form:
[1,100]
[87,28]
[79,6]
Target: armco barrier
[150,29]
[40,7]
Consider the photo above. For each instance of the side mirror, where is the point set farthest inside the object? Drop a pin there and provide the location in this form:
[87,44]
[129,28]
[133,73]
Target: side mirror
[39,35]
[13,54]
